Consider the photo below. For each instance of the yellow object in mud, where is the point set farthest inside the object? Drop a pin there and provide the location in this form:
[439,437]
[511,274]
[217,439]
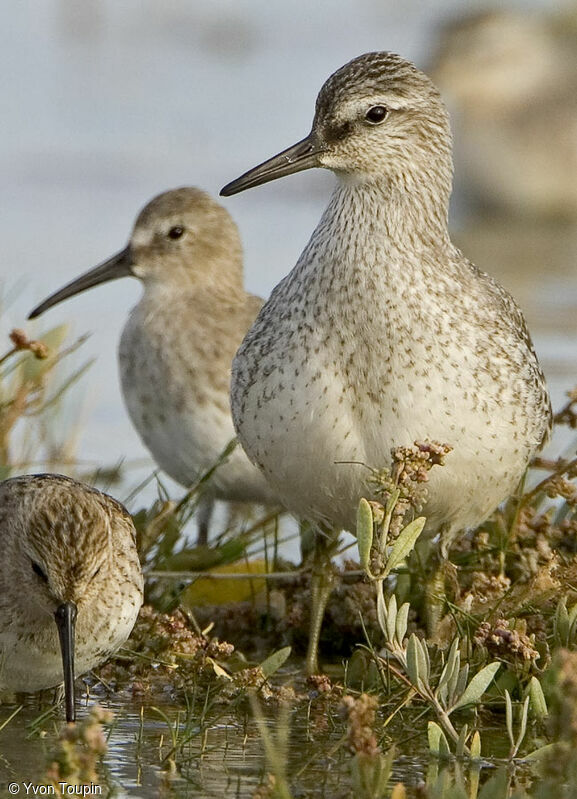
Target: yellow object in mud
[214,589]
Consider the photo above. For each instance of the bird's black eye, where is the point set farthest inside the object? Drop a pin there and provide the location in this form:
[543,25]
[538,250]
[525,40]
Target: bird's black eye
[376,114]
[176,232]
[39,571]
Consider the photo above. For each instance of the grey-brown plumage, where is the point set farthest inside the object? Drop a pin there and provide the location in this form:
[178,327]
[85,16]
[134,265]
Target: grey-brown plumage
[384,333]
[177,346]
[68,559]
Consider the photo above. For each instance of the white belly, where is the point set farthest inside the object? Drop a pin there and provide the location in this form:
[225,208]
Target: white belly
[30,655]
[317,424]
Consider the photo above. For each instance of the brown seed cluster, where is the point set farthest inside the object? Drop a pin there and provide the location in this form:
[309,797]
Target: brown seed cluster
[172,635]
[22,342]
[542,541]
[559,486]
[487,589]
[361,715]
[176,651]
[79,750]
[409,474]
[505,643]
[319,683]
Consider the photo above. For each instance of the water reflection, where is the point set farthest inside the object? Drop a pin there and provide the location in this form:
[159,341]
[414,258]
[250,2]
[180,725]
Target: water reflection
[225,758]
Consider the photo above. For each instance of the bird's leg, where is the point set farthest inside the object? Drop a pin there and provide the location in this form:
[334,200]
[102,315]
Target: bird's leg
[434,598]
[204,515]
[322,582]
[439,569]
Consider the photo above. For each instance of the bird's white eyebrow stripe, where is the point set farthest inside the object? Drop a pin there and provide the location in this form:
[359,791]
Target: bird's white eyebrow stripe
[362,104]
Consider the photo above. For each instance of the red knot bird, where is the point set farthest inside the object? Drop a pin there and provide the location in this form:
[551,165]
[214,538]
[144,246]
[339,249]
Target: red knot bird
[70,582]
[384,333]
[177,346]
[497,68]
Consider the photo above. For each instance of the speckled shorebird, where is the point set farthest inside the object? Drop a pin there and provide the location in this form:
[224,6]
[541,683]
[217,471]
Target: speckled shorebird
[384,333]
[70,581]
[177,347]
[512,77]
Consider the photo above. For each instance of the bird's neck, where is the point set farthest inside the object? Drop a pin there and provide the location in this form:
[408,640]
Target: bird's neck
[220,280]
[404,214]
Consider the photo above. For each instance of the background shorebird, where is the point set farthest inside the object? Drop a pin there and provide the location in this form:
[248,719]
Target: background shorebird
[384,333]
[511,76]
[177,346]
[70,581]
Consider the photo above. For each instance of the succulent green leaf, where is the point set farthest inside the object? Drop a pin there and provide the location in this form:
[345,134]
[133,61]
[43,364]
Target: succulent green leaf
[478,685]
[364,532]
[424,663]
[402,621]
[562,622]
[275,661]
[413,660]
[476,746]
[457,683]
[405,543]
[381,608]
[426,667]
[444,748]
[392,501]
[509,717]
[523,724]
[434,733]
[538,701]
[460,748]
[420,661]
[381,776]
[442,695]
[392,619]
[437,741]
[572,614]
[451,665]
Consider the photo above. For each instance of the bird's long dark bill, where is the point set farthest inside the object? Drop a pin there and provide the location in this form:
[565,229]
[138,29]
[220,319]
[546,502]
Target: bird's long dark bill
[303,155]
[120,265]
[65,616]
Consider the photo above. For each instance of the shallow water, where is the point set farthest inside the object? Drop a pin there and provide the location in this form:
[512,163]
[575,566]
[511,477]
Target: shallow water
[225,759]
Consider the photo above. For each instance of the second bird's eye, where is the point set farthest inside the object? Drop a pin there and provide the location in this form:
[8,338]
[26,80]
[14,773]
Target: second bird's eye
[176,232]
[39,571]
[376,114]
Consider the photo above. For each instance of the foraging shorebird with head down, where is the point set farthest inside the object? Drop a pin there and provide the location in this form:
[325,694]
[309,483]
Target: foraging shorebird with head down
[70,582]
